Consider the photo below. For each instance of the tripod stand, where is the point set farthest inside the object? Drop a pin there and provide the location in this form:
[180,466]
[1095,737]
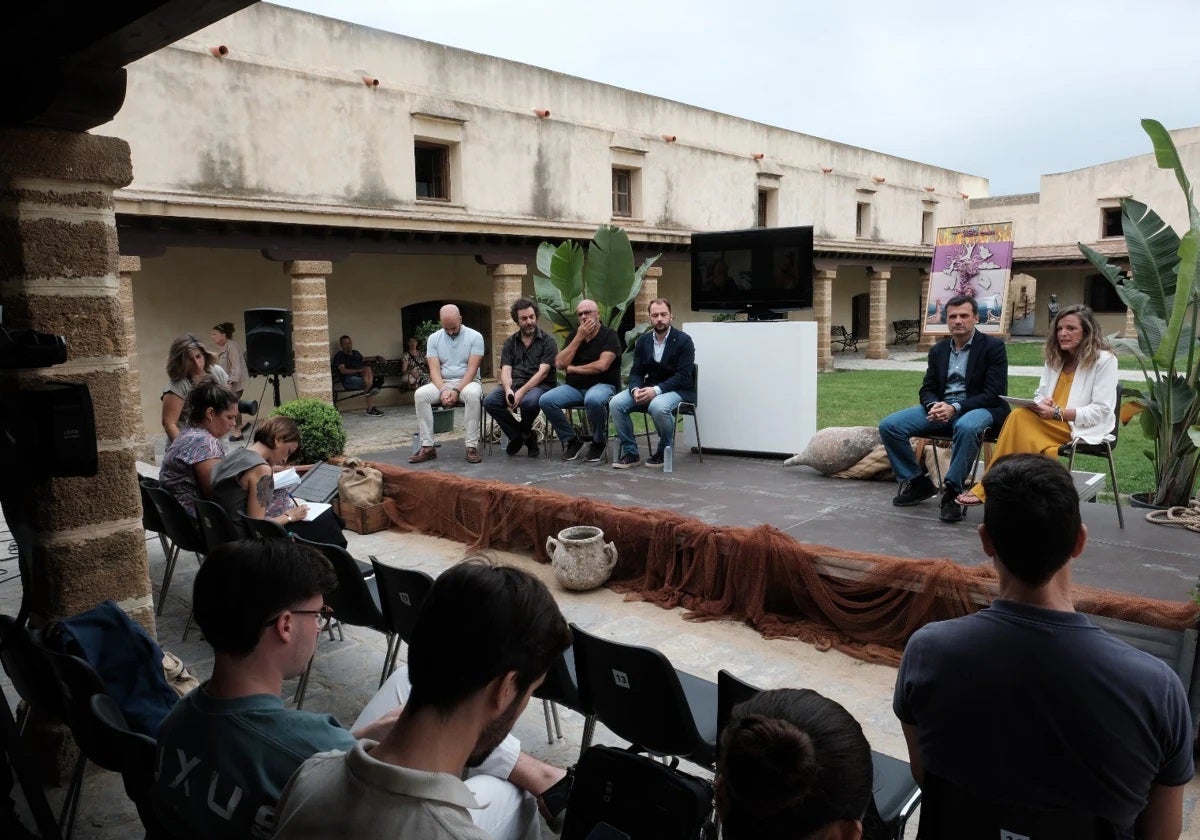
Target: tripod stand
[272,379]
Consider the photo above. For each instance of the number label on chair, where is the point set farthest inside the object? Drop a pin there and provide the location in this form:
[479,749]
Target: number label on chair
[404,599]
[1009,835]
[620,678]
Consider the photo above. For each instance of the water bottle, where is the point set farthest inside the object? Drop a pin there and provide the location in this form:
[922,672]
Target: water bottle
[668,466]
[416,443]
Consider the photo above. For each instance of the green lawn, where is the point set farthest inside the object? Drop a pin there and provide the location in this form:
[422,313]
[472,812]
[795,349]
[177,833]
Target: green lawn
[864,397]
[1030,353]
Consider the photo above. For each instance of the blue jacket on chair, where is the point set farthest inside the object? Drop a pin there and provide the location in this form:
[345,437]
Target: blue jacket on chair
[673,373]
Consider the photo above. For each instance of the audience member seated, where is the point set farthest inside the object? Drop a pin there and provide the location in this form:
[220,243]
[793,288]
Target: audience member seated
[413,365]
[244,482]
[454,355]
[187,362]
[793,765]
[502,631]
[526,372]
[1076,396]
[1027,701]
[660,379]
[356,374]
[591,361]
[210,412]
[227,749]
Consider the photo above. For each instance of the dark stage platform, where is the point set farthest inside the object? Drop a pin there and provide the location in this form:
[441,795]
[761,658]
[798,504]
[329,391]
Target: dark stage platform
[1143,559]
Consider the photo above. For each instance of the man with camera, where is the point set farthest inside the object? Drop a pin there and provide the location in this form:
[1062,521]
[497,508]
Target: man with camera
[526,372]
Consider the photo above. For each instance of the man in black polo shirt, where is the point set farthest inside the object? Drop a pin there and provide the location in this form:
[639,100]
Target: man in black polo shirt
[526,372]
[591,361]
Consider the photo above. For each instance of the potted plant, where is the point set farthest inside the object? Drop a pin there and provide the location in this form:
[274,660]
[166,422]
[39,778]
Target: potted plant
[1160,293]
[322,434]
[443,418]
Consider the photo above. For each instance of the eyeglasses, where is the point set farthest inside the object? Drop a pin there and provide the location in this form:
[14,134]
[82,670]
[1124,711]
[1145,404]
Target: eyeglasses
[586,311]
[324,616]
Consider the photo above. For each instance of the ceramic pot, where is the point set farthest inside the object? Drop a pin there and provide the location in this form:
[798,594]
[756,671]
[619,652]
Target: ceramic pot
[580,557]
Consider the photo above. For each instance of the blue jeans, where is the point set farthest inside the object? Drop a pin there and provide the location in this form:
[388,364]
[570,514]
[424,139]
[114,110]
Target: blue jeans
[966,431]
[661,410]
[495,405]
[595,405]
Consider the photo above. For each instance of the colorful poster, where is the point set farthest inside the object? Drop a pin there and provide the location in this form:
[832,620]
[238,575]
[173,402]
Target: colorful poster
[971,260]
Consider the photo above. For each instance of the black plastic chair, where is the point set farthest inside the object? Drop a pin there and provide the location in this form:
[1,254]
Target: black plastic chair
[184,534]
[641,697]
[401,593]
[263,529]
[151,521]
[561,687]
[215,525]
[78,682]
[896,794]
[684,409]
[1104,450]
[129,753]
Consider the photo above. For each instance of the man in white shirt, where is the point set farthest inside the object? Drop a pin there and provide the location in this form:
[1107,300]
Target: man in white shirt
[454,355]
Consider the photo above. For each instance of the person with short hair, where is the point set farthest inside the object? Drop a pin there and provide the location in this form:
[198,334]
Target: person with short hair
[502,630]
[209,413]
[660,379]
[591,361]
[1093,725]
[187,362]
[526,372]
[793,764]
[356,373]
[960,396]
[454,355]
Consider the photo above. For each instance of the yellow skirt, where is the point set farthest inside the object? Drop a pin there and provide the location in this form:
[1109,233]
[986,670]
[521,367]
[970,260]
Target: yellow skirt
[1024,431]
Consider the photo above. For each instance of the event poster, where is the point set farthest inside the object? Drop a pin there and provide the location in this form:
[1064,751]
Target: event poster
[972,260]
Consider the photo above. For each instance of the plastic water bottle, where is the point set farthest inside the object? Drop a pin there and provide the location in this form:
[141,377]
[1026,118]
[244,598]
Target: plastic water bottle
[668,465]
[416,443]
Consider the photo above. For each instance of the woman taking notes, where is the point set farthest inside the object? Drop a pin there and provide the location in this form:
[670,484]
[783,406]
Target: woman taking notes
[1076,397]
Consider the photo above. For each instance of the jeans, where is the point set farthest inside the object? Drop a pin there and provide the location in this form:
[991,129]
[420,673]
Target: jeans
[495,405]
[966,431]
[595,405]
[661,410]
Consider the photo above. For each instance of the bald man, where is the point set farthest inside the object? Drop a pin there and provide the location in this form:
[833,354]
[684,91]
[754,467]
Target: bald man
[454,354]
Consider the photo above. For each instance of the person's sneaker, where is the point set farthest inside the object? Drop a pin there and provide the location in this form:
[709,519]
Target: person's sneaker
[626,461]
[532,443]
[655,461]
[951,510]
[915,491]
[514,446]
[374,412]
[571,449]
[596,451]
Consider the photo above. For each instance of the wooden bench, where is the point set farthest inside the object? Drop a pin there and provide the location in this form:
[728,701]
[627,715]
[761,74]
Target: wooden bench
[388,375]
[907,330]
[839,335]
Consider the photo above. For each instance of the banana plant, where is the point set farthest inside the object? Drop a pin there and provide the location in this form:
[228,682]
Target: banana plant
[1162,294]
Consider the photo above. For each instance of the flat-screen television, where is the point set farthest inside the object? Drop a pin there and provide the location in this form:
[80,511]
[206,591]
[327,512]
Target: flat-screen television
[759,270]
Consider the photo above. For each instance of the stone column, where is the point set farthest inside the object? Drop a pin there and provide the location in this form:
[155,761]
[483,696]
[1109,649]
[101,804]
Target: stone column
[877,341]
[143,449]
[648,292]
[507,280]
[310,327]
[823,311]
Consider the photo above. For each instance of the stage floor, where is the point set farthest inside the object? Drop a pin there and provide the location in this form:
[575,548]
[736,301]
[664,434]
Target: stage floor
[1142,559]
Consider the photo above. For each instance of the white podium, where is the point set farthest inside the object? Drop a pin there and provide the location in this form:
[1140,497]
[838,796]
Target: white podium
[758,385]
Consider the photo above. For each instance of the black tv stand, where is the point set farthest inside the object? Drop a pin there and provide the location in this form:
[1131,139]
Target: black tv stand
[763,315]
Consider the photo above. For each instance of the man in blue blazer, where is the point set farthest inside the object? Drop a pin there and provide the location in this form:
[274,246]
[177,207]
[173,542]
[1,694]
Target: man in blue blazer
[966,375]
[660,379]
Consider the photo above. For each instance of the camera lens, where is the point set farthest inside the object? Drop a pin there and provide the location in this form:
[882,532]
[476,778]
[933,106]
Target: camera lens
[248,407]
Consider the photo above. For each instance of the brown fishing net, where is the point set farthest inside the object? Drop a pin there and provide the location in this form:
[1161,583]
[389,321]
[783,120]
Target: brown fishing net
[866,605]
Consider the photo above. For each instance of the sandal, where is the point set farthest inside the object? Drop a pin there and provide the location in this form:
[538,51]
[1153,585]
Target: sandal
[968,499]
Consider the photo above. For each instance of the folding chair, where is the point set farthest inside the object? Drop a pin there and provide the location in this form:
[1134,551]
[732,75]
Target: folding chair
[1104,450]
[401,593]
[184,534]
[641,697]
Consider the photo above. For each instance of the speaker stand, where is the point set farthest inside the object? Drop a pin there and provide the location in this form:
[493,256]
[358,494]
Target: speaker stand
[272,379]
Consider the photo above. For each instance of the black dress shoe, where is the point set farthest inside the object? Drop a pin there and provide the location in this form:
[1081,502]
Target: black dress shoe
[951,510]
[915,491]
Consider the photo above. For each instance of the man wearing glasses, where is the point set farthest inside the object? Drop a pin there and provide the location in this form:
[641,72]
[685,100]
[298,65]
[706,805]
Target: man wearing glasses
[590,360]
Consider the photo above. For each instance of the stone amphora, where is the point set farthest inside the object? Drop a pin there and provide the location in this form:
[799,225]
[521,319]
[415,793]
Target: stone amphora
[580,557]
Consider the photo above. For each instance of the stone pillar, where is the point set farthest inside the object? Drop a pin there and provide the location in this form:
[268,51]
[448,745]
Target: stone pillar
[310,327]
[877,340]
[142,448]
[507,280]
[648,292]
[823,311]
[59,274]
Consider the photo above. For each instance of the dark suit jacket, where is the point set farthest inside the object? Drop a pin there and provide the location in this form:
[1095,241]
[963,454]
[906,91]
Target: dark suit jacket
[673,373]
[987,376]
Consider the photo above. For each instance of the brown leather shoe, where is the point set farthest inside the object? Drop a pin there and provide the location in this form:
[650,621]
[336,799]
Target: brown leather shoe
[427,453]
[473,456]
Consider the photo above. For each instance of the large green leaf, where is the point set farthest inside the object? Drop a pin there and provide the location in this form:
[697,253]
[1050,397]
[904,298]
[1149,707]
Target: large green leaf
[1167,157]
[608,274]
[1153,255]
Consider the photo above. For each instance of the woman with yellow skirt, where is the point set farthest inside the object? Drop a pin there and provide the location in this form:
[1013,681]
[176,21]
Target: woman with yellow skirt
[1076,397]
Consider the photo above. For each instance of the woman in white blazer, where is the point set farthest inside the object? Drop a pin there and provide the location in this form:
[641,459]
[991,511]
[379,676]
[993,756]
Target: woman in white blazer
[1076,397]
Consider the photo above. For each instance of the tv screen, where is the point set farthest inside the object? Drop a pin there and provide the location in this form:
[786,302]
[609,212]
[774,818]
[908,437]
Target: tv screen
[758,270]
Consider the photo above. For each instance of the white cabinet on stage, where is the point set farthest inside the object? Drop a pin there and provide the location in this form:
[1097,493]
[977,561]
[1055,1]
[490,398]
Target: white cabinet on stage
[758,385]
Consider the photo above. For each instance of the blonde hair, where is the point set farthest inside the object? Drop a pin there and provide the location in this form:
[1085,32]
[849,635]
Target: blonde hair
[1090,345]
[178,361]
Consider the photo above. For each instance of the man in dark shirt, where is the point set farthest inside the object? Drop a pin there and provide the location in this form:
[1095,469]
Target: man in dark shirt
[591,361]
[526,372]
[357,374]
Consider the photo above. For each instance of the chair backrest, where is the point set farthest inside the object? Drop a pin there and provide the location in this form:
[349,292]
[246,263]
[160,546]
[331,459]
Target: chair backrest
[561,684]
[1116,430]
[353,601]
[635,692]
[78,683]
[129,753]
[401,593]
[180,527]
[730,692]
[215,524]
[151,521]
[1177,648]
[26,664]
[264,529]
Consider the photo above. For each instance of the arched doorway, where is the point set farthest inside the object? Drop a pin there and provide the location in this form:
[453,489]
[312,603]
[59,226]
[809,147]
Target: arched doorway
[476,316]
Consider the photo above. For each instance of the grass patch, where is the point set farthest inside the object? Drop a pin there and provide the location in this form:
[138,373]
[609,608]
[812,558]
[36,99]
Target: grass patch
[1030,353]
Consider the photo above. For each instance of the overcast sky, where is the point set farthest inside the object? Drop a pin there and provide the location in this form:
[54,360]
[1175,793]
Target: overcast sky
[1008,91]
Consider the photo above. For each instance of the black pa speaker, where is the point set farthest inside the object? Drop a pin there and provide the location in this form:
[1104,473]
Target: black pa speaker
[269,342]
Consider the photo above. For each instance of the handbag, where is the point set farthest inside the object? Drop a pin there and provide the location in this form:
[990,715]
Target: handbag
[360,484]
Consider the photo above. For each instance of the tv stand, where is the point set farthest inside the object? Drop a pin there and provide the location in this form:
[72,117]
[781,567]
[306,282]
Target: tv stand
[763,315]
